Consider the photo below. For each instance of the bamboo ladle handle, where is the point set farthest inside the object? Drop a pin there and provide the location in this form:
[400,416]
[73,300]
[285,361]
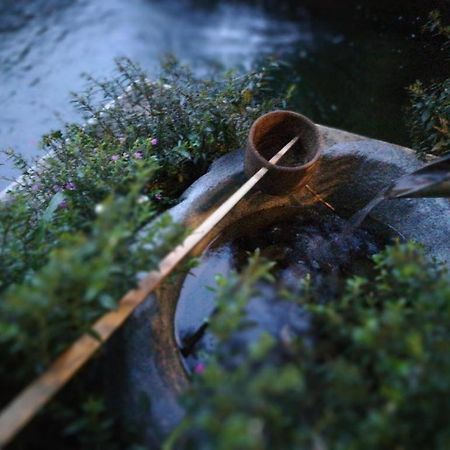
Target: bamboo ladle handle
[27,404]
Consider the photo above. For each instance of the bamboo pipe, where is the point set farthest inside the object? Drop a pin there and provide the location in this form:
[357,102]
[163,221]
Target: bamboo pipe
[37,394]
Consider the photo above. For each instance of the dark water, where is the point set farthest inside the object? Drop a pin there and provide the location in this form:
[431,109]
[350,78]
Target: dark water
[348,74]
[307,247]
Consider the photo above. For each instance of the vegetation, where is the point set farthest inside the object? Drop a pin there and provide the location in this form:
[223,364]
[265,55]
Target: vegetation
[177,125]
[75,232]
[429,121]
[371,373]
[372,370]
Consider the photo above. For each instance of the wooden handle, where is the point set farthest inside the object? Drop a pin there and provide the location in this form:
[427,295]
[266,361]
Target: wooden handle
[25,406]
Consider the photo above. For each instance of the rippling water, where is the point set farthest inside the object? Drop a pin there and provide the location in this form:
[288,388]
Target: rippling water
[348,77]
[45,45]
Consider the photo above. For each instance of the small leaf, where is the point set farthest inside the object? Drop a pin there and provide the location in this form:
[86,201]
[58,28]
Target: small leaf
[56,200]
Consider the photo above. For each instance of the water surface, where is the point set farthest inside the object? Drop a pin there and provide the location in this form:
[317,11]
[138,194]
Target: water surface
[347,75]
[313,247]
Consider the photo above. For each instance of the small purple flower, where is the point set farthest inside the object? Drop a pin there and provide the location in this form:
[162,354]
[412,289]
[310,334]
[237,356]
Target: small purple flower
[158,197]
[154,141]
[199,368]
[138,155]
[63,205]
[36,187]
[70,186]
[115,157]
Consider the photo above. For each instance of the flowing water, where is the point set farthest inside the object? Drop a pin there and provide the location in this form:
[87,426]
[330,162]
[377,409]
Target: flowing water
[348,73]
[358,218]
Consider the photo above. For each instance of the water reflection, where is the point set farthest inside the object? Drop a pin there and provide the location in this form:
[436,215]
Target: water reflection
[199,287]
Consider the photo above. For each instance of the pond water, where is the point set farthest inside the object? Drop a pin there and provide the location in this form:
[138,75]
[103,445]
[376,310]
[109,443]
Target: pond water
[347,76]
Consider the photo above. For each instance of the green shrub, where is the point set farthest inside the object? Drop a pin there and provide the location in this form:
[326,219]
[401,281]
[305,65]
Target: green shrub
[429,111]
[57,256]
[82,278]
[177,125]
[430,117]
[372,372]
[74,233]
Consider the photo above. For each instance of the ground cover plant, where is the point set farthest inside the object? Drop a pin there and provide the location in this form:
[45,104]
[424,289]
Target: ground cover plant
[371,372]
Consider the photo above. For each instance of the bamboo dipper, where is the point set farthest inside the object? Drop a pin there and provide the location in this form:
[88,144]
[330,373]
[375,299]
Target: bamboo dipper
[29,402]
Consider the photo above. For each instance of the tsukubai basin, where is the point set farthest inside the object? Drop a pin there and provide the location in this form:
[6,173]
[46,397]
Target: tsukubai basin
[268,134]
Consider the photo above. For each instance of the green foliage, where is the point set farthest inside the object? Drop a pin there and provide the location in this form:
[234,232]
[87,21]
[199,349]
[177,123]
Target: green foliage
[371,373]
[429,110]
[436,26]
[175,126]
[430,117]
[83,277]
[74,233]
[89,423]
[57,257]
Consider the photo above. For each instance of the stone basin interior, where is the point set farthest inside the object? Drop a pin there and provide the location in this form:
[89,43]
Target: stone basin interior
[302,241]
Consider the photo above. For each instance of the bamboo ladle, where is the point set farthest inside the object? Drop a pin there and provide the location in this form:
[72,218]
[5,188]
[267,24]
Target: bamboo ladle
[29,402]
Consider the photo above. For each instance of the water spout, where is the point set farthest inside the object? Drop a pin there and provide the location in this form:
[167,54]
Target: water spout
[432,180]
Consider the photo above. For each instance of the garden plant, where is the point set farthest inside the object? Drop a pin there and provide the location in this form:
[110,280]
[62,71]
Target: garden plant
[371,373]
[82,222]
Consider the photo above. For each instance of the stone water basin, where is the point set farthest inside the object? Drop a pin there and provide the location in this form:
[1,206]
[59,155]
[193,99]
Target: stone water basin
[352,171]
